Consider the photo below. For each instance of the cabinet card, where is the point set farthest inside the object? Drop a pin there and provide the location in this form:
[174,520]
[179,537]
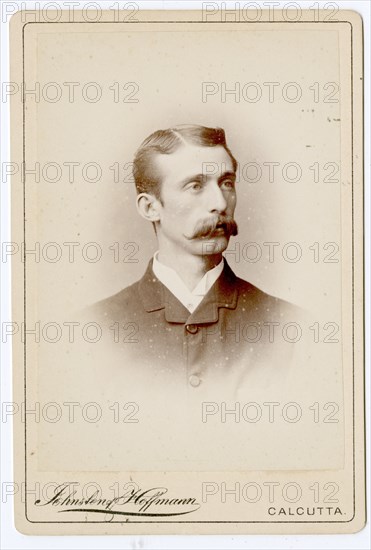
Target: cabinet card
[187,259]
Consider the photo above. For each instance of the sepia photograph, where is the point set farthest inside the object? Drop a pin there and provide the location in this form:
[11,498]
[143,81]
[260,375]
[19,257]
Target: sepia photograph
[187,263]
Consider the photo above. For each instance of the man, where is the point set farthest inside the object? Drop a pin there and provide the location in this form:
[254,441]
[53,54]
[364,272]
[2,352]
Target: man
[192,319]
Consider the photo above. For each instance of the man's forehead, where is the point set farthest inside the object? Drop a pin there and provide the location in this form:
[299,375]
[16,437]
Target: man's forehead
[194,159]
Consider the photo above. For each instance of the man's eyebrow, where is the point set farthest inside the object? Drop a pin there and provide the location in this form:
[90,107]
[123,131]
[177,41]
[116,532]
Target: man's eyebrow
[227,174]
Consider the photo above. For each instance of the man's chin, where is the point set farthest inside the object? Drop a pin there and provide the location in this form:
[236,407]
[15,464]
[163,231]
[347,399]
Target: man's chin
[215,244]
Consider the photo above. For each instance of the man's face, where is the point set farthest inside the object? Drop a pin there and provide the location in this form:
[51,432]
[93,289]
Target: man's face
[198,198]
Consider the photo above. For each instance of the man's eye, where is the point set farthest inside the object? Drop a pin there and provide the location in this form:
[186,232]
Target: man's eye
[195,186]
[228,183]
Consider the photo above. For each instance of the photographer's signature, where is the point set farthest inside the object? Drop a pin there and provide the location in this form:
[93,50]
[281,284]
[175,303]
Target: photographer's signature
[134,502]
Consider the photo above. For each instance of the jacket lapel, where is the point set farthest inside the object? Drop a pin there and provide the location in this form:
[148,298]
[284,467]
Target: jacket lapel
[156,296]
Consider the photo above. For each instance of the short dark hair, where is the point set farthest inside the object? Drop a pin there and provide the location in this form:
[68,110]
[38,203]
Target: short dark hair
[166,142]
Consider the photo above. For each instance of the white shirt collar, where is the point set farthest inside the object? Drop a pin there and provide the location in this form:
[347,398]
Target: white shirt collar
[170,278]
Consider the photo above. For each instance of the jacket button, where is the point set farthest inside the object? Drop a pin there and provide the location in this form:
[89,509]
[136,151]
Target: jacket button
[192,328]
[194,380]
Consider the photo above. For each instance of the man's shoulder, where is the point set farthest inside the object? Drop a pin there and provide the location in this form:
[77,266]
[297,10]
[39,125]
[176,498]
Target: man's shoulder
[251,296]
[123,302]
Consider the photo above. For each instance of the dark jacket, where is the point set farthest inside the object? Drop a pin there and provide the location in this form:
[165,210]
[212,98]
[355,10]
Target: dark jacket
[235,330]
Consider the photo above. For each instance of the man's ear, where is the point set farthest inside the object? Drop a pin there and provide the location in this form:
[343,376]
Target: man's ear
[148,207]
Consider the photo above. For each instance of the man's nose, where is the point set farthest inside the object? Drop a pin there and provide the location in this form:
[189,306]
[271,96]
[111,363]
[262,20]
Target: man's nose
[216,199]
